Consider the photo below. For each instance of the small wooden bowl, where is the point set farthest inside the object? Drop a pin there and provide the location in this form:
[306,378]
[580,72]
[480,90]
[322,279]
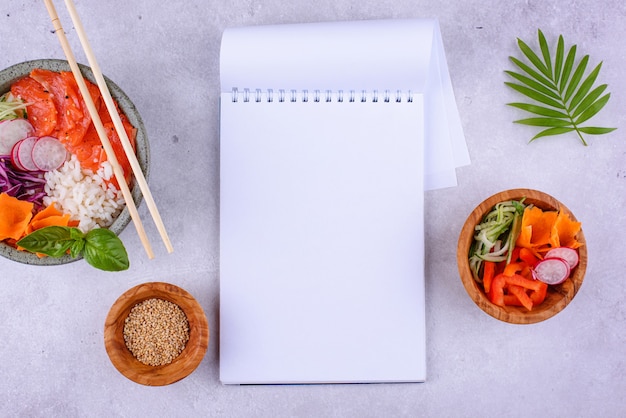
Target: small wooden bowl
[181,366]
[558,296]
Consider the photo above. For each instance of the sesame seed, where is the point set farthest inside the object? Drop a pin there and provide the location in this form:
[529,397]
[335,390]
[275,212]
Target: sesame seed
[156,331]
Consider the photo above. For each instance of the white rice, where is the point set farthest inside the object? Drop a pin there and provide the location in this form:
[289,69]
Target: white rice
[85,196]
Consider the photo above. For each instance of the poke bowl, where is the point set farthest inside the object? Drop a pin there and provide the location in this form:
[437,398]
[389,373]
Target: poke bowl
[84,164]
[542,231]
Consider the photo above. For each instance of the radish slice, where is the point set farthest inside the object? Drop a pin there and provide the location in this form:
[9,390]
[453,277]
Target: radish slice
[551,270]
[24,154]
[15,160]
[568,254]
[11,132]
[48,153]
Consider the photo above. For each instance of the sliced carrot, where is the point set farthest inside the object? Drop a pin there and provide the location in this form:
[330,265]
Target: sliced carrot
[15,215]
[543,230]
[50,216]
[564,232]
[536,227]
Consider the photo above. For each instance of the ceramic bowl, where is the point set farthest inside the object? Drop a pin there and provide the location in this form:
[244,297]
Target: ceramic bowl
[186,362]
[8,76]
[558,296]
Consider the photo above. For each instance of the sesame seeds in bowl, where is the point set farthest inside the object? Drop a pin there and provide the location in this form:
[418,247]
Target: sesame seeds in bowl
[161,305]
[156,331]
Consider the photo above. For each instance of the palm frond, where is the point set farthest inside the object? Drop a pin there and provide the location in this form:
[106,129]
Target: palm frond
[561,93]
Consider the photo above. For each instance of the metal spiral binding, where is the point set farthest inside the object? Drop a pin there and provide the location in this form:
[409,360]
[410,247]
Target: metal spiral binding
[349,96]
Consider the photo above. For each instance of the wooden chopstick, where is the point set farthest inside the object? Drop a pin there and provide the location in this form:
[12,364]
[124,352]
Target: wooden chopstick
[93,112]
[128,149]
[119,127]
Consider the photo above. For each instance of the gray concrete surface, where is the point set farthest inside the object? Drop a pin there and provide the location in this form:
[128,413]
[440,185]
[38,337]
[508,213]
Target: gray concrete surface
[165,56]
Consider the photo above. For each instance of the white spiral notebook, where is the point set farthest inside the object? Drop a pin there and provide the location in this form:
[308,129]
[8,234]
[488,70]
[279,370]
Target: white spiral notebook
[322,166]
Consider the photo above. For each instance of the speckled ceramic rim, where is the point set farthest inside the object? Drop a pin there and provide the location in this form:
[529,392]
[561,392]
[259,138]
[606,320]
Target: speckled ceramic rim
[9,75]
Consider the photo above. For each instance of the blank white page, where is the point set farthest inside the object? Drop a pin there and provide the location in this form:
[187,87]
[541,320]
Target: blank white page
[322,241]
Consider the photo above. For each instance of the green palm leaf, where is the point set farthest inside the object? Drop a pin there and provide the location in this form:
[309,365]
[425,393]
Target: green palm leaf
[558,61]
[552,122]
[589,100]
[532,72]
[562,96]
[534,85]
[567,67]
[585,87]
[578,74]
[552,131]
[539,110]
[592,110]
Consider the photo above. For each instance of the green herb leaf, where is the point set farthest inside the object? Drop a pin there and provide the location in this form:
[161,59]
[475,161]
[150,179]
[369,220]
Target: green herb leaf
[105,251]
[77,248]
[559,90]
[100,247]
[54,241]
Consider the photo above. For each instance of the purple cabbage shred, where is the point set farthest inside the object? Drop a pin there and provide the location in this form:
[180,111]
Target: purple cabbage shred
[24,185]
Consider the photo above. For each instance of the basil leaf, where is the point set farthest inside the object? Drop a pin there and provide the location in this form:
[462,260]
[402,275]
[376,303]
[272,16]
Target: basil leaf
[54,241]
[77,248]
[77,234]
[105,251]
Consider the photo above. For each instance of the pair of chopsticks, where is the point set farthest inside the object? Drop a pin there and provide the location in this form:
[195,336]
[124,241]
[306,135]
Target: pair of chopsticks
[119,127]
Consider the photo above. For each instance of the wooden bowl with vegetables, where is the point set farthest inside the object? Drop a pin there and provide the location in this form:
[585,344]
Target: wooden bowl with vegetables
[522,256]
[53,171]
[156,334]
